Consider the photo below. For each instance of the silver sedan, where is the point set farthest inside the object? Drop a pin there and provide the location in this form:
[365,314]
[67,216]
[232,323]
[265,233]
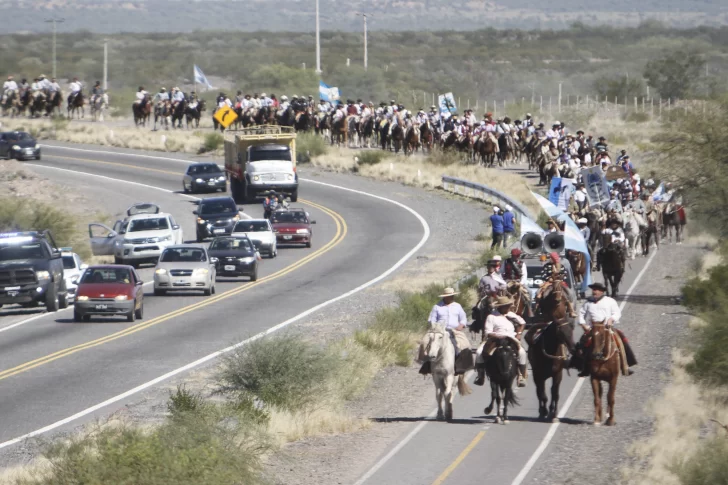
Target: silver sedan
[184,268]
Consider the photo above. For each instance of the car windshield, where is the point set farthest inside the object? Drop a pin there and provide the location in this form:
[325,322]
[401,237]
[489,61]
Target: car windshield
[218,207]
[155,224]
[231,244]
[251,226]
[69,262]
[207,168]
[270,155]
[289,216]
[21,136]
[106,275]
[22,251]
[187,255]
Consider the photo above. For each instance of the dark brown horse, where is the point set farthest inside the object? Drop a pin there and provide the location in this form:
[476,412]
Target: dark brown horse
[338,132]
[578,265]
[427,138]
[611,263]
[75,103]
[411,140]
[604,366]
[193,113]
[553,305]
[397,137]
[142,112]
[548,356]
[673,217]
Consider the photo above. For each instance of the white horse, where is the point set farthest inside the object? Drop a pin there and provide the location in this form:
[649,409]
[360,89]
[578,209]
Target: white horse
[98,106]
[440,351]
[633,224]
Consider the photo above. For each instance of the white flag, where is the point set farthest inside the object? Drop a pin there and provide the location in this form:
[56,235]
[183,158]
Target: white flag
[200,78]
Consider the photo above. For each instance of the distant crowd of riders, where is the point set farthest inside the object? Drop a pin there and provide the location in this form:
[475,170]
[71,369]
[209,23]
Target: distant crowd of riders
[44,97]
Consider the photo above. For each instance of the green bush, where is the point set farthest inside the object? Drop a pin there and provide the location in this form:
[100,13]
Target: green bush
[709,464]
[370,157]
[212,142]
[284,371]
[183,402]
[636,117]
[310,145]
[444,158]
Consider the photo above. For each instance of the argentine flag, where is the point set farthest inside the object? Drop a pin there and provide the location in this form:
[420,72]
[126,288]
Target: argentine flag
[200,78]
[328,94]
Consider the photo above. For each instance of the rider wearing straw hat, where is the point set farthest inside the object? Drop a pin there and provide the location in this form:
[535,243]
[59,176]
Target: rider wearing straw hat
[501,323]
[450,314]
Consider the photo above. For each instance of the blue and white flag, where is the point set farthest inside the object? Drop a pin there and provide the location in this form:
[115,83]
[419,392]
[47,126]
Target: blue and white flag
[597,188]
[657,195]
[328,93]
[447,104]
[200,78]
[560,192]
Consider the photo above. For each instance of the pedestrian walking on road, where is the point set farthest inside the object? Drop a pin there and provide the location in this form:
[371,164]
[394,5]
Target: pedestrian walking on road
[496,222]
[509,225]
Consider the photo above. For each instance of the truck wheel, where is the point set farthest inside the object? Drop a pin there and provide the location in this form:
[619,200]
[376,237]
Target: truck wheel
[294,196]
[51,299]
[248,195]
[77,317]
[236,190]
[63,296]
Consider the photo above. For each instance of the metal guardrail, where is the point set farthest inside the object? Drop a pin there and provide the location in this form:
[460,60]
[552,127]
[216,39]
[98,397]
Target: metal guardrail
[479,191]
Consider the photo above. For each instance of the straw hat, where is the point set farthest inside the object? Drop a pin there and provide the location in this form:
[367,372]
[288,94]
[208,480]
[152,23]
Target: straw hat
[502,301]
[449,292]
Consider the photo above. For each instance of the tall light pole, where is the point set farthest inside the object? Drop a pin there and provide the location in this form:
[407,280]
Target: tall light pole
[54,21]
[106,65]
[318,41]
[366,44]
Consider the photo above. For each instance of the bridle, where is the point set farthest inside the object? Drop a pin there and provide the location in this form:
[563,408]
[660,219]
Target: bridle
[609,344]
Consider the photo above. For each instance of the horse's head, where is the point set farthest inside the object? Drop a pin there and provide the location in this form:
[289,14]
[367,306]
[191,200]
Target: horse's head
[435,341]
[601,341]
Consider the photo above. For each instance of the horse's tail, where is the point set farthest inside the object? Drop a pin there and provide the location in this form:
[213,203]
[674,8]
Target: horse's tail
[463,388]
[510,397]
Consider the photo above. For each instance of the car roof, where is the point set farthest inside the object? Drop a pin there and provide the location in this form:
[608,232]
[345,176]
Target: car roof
[137,217]
[187,246]
[216,199]
[110,266]
[252,220]
[203,164]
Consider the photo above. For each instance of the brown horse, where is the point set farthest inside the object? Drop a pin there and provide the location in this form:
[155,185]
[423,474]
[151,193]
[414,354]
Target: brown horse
[553,305]
[411,140]
[427,138]
[75,103]
[578,265]
[547,354]
[520,303]
[142,113]
[604,366]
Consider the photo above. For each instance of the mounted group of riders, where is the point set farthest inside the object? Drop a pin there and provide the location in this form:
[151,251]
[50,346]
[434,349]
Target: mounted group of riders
[169,107]
[44,97]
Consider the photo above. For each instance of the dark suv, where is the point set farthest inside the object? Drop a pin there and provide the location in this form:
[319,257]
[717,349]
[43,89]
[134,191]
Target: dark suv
[31,270]
[216,216]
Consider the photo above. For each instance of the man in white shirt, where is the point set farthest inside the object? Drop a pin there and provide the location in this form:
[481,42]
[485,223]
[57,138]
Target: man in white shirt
[178,96]
[580,198]
[43,82]
[75,88]
[450,314]
[601,309]
[141,96]
[499,325]
[10,87]
[162,96]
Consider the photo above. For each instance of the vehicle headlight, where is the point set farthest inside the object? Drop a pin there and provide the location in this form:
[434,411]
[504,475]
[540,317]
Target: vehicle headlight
[16,147]
[200,271]
[121,297]
[161,271]
[256,177]
[199,181]
[289,176]
[165,238]
[82,298]
[118,243]
[221,178]
[302,231]
[247,260]
[37,146]
[42,275]
[200,220]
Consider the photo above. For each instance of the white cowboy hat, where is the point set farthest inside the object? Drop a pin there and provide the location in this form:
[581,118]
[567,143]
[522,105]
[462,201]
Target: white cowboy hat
[449,292]
[509,208]
[582,220]
[496,208]
[528,114]
[262,95]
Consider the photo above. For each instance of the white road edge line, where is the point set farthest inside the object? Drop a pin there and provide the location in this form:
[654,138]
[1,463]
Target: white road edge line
[106,152]
[544,443]
[554,426]
[36,317]
[146,385]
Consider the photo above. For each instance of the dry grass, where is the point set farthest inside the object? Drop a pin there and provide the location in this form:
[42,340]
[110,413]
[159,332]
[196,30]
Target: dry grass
[287,426]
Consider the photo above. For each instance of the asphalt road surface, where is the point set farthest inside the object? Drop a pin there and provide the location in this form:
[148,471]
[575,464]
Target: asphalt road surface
[55,373]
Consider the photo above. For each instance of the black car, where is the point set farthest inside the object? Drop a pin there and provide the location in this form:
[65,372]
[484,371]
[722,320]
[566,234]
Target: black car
[31,270]
[234,256]
[203,177]
[19,145]
[216,216]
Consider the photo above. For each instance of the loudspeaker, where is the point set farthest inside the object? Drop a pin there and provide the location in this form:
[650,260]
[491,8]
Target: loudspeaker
[531,243]
[553,243]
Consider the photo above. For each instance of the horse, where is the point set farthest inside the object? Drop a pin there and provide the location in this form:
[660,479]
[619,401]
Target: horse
[440,351]
[632,231]
[547,354]
[338,131]
[142,111]
[100,103]
[384,139]
[502,369]
[652,230]
[553,305]
[162,114]
[75,103]
[411,140]
[352,131]
[9,104]
[53,103]
[367,131]
[38,105]
[671,218]
[193,113]
[609,260]
[322,125]
[397,137]
[303,121]
[577,260]
[427,137]
[177,112]
[604,366]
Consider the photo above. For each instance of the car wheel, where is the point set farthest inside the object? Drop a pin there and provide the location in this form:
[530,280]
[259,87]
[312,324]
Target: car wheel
[77,317]
[271,253]
[308,244]
[139,314]
[158,292]
[185,189]
[87,318]
[200,238]
[207,291]
[131,316]
[254,276]
[51,299]
[294,196]
[63,301]
[213,289]
[37,157]
[118,260]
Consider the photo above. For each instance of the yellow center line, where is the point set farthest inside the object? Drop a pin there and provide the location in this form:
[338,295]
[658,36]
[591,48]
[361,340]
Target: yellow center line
[441,479]
[341,232]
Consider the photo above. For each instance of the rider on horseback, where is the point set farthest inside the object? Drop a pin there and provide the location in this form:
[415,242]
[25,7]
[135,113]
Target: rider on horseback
[450,314]
[601,309]
[492,284]
[10,88]
[552,272]
[162,97]
[177,97]
[501,323]
[515,272]
[141,97]
[75,88]
[96,92]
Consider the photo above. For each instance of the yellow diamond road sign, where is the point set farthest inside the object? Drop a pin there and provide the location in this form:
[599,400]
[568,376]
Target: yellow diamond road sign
[225,116]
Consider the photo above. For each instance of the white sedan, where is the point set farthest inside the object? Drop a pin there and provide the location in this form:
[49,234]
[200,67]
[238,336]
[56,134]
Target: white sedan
[260,232]
[184,268]
[72,269]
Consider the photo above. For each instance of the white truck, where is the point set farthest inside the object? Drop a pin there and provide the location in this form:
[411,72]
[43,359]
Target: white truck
[261,159]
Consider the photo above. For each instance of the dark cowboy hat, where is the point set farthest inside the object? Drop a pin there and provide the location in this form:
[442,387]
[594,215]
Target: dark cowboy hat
[602,138]
[598,286]
[579,132]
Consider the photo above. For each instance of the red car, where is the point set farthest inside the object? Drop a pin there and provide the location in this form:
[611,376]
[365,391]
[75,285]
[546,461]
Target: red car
[109,290]
[292,226]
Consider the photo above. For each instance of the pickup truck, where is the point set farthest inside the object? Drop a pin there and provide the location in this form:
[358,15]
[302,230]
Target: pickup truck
[261,159]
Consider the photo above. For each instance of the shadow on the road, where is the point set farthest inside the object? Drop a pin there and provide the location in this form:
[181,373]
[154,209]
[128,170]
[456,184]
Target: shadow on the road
[417,419]
[13,312]
[533,419]
[659,300]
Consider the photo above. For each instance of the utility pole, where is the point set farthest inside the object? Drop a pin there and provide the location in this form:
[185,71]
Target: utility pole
[318,41]
[366,44]
[54,21]
[559,97]
[106,65]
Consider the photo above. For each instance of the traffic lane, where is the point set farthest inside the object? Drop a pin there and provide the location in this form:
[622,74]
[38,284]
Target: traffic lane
[43,335]
[503,450]
[158,349]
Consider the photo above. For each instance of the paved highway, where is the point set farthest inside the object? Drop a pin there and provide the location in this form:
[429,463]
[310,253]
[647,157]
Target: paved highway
[54,372]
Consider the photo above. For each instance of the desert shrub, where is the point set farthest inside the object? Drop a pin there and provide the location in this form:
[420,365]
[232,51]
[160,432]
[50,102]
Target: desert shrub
[183,401]
[310,145]
[370,157]
[212,142]
[637,117]
[444,158]
[284,371]
[709,464]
